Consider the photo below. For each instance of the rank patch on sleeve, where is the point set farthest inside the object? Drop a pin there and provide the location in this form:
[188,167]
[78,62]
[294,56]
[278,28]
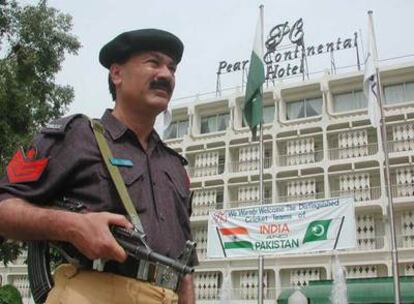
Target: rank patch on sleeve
[25,169]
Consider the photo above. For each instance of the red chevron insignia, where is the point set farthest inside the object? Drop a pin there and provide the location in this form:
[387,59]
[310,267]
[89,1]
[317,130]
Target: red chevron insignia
[29,169]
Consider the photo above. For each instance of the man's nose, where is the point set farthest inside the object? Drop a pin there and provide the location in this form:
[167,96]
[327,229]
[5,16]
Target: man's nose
[166,72]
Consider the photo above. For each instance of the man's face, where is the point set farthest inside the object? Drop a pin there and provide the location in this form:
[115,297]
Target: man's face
[145,82]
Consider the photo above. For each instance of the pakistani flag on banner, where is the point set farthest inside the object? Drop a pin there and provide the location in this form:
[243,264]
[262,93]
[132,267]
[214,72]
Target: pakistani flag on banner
[317,231]
[253,103]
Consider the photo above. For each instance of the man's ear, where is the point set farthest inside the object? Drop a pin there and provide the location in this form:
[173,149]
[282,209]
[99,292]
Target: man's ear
[115,74]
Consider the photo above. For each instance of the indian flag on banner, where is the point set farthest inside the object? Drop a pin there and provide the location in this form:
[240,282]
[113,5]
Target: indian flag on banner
[253,102]
[235,238]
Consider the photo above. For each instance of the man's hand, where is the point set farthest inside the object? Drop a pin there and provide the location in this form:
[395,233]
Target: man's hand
[91,235]
[186,292]
[88,232]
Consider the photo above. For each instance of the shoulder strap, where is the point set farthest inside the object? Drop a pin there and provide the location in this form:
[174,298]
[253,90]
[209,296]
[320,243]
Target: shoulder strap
[59,126]
[98,130]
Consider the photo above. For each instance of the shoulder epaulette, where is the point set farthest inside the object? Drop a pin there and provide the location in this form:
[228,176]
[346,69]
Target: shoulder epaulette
[184,162]
[59,126]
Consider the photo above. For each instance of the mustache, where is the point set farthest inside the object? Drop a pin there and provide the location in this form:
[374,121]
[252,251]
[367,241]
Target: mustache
[162,84]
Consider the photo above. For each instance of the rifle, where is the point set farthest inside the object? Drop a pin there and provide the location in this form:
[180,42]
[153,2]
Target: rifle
[131,240]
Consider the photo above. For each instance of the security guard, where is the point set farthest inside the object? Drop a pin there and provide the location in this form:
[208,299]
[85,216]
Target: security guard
[64,162]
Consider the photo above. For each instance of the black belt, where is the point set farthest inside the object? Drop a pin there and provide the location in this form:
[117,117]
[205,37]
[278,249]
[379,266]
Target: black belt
[156,274]
[130,270]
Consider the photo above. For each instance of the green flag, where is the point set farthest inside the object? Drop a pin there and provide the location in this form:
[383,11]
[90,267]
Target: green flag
[238,245]
[253,103]
[317,231]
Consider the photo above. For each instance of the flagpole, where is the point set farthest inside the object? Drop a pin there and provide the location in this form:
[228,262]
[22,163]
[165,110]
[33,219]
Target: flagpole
[261,196]
[394,251]
[339,232]
[221,242]
[260,275]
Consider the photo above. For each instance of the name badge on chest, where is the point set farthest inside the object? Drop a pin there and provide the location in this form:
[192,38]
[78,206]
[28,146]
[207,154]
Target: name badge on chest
[120,162]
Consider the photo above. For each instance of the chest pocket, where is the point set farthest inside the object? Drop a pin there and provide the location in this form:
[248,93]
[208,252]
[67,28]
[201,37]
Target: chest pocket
[131,175]
[178,182]
[176,187]
[133,178]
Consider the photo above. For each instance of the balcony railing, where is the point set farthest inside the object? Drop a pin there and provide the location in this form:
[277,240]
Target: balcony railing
[400,145]
[352,152]
[202,209]
[250,293]
[253,165]
[241,204]
[207,295]
[236,295]
[299,159]
[370,243]
[201,253]
[303,197]
[405,241]
[400,191]
[21,282]
[360,195]
[211,170]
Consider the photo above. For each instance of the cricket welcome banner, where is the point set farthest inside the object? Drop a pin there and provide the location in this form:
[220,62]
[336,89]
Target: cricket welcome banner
[292,227]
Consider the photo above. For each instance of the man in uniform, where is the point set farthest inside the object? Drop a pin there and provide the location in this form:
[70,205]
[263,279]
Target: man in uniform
[64,162]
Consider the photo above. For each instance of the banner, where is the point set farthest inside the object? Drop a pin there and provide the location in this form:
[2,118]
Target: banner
[281,228]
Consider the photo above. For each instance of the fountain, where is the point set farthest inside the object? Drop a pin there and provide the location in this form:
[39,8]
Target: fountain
[339,290]
[226,291]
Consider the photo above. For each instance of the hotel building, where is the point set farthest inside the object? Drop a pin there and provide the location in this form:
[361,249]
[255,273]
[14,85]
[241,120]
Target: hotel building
[318,143]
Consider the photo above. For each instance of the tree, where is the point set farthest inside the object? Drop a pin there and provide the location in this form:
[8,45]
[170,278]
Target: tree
[34,40]
[10,295]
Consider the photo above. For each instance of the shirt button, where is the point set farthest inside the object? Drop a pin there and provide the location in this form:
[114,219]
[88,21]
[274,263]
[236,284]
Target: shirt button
[162,218]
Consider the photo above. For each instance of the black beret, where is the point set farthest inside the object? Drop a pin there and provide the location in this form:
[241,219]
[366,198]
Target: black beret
[119,49]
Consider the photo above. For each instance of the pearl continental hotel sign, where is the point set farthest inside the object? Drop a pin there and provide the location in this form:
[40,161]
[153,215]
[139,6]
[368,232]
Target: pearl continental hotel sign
[283,228]
[289,59]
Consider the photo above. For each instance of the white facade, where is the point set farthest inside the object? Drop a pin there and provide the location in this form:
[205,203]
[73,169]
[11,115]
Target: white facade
[318,143]
[16,274]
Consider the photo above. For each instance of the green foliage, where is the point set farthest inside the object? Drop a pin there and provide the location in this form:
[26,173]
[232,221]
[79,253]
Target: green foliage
[34,40]
[10,295]
[9,250]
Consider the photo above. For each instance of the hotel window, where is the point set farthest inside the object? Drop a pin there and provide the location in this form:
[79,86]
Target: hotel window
[214,123]
[350,101]
[399,93]
[176,129]
[268,115]
[304,108]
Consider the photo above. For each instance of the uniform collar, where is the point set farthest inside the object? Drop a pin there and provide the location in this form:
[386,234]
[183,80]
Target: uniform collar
[117,129]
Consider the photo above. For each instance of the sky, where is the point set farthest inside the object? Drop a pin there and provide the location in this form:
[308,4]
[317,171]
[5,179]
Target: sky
[217,30]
